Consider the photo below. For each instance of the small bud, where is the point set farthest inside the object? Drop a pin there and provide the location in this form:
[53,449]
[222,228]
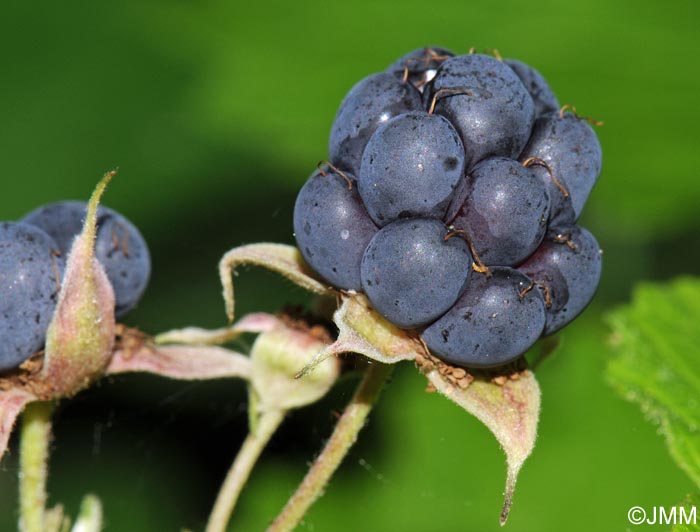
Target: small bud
[277,356]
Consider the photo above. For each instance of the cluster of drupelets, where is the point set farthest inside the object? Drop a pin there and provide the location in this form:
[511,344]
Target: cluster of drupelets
[32,263]
[451,199]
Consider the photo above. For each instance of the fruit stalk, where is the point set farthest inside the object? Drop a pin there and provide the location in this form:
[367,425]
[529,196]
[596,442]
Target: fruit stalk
[343,437]
[33,472]
[240,470]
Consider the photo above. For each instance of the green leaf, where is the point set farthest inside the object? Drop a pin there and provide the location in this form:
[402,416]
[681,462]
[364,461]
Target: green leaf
[690,502]
[657,363]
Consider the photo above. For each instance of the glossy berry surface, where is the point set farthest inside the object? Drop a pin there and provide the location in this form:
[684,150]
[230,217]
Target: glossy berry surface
[419,66]
[561,210]
[119,247]
[332,228]
[571,148]
[494,115]
[541,93]
[28,290]
[370,103]
[496,320]
[505,211]
[411,167]
[566,269]
[411,274]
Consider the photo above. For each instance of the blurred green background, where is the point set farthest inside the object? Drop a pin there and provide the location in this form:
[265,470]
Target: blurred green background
[215,113]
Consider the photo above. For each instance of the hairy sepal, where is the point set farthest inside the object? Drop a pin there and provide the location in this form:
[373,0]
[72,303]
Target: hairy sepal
[283,259]
[256,322]
[509,405]
[80,337]
[362,330]
[12,402]
[181,362]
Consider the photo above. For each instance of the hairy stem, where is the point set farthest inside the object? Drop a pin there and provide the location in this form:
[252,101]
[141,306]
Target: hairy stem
[343,437]
[33,472]
[237,476]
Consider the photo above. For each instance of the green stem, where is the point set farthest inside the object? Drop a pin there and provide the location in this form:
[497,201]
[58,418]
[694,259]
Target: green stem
[343,437]
[240,470]
[33,468]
